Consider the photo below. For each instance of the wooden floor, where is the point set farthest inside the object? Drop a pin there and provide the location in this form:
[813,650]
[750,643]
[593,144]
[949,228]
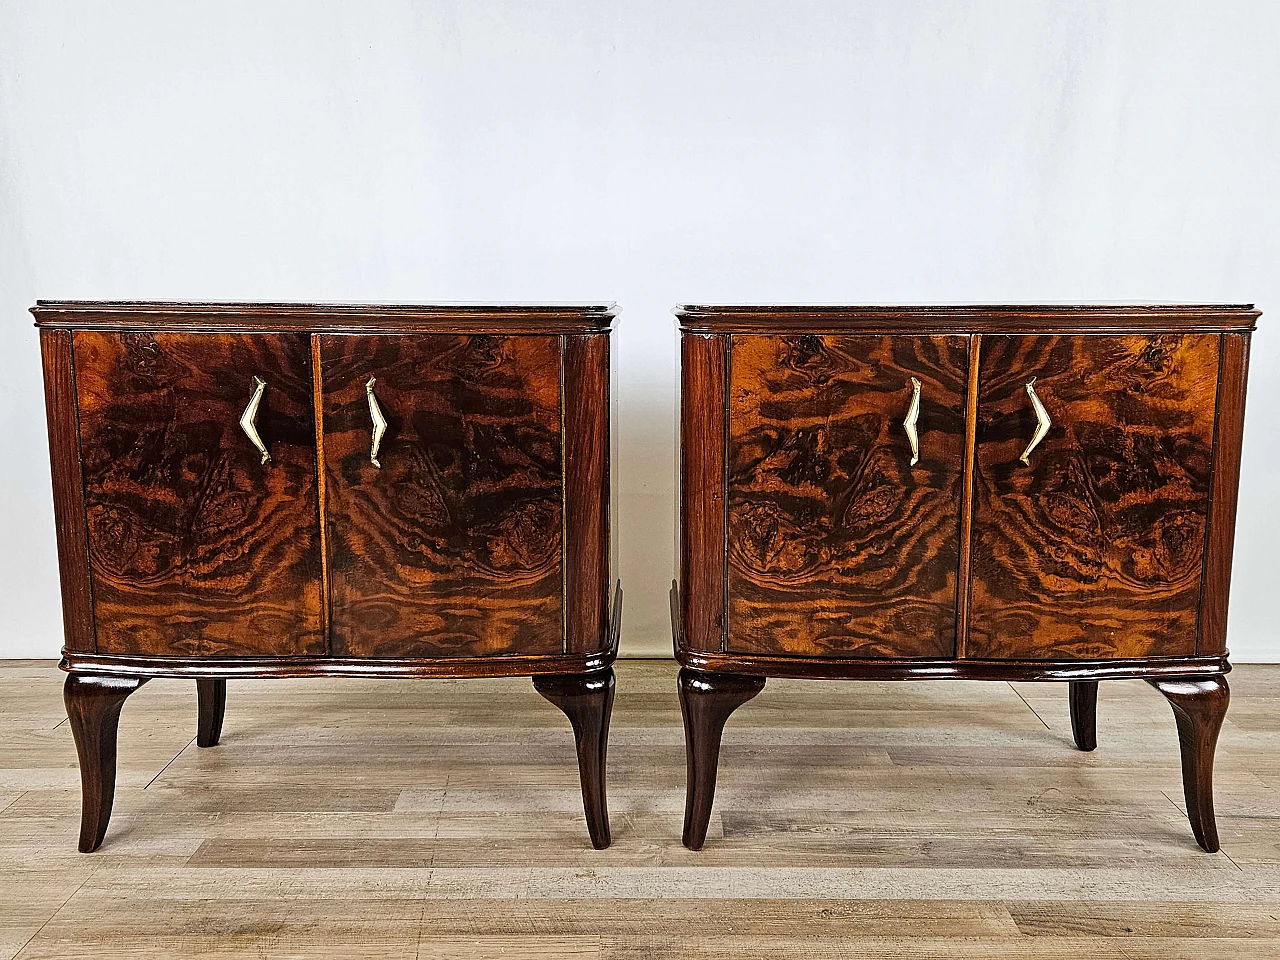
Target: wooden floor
[390,819]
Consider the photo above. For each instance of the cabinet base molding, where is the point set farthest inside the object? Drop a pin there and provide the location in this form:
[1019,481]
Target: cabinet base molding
[231,668]
[848,668]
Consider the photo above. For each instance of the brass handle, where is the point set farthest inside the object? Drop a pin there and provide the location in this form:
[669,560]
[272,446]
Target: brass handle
[248,419]
[379,422]
[909,423]
[1042,421]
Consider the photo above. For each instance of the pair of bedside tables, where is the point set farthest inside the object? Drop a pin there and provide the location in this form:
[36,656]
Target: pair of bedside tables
[999,493]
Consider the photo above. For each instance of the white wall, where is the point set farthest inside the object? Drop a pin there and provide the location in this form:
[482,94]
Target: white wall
[650,153]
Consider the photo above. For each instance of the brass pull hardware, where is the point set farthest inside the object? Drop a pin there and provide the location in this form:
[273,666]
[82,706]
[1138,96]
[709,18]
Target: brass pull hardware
[909,423]
[1042,421]
[248,419]
[379,422]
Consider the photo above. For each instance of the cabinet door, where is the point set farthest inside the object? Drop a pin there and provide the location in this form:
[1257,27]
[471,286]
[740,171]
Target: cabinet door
[837,544]
[197,547]
[450,546]
[1094,548]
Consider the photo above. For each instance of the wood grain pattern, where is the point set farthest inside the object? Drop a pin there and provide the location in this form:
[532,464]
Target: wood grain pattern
[586,496]
[196,547]
[837,546]
[1095,549]
[68,491]
[453,547]
[703,362]
[1228,441]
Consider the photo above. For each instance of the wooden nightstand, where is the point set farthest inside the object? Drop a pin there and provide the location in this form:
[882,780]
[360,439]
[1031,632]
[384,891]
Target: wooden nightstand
[998,493]
[290,490]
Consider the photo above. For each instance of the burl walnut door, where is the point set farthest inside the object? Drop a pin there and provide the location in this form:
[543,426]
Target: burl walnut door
[450,545]
[1094,547]
[196,546]
[838,545]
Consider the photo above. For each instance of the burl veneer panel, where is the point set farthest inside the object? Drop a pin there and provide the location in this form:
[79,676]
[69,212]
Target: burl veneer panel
[453,547]
[837,545]
[196,547]
[1095,549]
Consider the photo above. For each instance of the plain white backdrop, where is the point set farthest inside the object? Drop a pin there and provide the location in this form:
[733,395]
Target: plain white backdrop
[649,153]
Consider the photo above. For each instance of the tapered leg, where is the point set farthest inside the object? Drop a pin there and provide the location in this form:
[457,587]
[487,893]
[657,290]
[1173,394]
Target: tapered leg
[706,701]
[587,700]
[1084,713]
[93,707]
[1199,706]
[212,697]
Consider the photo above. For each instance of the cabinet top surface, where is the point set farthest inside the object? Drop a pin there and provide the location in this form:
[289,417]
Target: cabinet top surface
[976,318]
[321,317]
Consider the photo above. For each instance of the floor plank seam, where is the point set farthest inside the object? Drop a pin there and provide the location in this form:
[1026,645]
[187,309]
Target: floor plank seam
[166,766]
[31,939]
[1028,705]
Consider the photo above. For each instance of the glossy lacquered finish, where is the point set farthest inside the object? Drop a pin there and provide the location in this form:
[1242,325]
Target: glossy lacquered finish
[1069,513]
[259,490]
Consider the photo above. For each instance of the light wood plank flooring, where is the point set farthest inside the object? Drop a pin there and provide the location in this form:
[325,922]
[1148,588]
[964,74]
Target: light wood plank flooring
[389,819]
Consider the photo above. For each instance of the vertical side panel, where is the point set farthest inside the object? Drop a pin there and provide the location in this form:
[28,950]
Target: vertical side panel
[966,495]
[317,396]
[586,484]
[703,360]
[68,491]
[1228,437]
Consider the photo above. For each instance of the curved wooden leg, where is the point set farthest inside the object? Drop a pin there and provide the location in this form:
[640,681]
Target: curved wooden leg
[706,701]
[211,695]
[587,700]
[1199,706]
[93,707]
[1084,713]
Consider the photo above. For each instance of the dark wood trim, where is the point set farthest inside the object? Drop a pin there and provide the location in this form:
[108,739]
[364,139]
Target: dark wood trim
[916,320]
[1084,713]
[966,496]
[706,702]
[284,667]
[326,317]
[317,398]
[211,702]
[585,434]
[1199,707]
[93,710]
[726,413]
[1229,436]
[830,668]
[587,700]
[68,491]
[703,379]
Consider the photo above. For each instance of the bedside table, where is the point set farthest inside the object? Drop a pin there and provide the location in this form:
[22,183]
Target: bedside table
[993,493]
